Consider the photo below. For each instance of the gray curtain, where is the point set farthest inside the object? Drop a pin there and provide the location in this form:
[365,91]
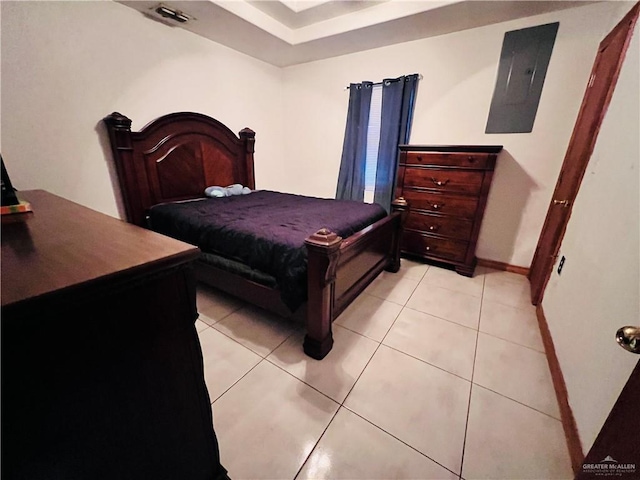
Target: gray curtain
[398,99]
[354,150]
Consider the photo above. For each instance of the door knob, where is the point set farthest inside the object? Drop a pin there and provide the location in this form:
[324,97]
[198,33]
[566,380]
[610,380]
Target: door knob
[629,338]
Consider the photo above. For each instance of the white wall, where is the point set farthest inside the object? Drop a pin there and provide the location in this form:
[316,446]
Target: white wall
[66,65]
[452,105]
[599,288]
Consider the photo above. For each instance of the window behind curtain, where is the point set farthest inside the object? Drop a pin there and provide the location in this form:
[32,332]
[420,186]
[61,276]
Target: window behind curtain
[373,141]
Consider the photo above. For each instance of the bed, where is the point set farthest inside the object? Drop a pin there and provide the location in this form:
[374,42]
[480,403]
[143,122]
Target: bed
[163,171]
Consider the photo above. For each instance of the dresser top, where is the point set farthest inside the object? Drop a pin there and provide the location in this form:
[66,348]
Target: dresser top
[63,245]
[453,148]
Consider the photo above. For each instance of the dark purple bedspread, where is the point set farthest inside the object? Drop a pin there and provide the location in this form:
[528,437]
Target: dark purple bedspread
[264,230]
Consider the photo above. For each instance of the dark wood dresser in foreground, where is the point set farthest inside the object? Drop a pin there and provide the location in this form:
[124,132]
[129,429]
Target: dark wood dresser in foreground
[102,372]
[446,188]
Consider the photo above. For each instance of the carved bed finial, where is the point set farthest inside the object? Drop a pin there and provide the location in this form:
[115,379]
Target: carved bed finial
[400,202]
[323,237]
[117,120]
[247,132]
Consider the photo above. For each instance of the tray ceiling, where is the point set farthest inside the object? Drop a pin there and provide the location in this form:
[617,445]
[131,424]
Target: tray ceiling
[290,32]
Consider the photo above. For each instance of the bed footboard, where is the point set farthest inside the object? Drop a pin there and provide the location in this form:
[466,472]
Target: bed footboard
[339,270]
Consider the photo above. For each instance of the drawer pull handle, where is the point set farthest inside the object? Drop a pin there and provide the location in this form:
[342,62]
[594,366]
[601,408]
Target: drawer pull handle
[429,248]
[434,228]
[471,159]
[439,183]
[437,206]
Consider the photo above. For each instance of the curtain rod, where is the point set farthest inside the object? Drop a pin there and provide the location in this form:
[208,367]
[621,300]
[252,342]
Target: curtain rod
[380,83]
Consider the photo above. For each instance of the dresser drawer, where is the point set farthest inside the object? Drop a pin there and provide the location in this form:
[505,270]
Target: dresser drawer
[453,227]
[460,160]
[454,205]
[425,245]
[443,180]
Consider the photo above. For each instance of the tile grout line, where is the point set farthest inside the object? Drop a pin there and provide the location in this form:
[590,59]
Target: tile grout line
[426,363]
[368,361]
[263,359]
[409,297]
[215,321]
[451,289]
[515,307]
[274,364]
[242,376]
[441,318]
[370,358]
[342,404]
[278,366]
[398,439]
[512,342]
[316,444]
[518,345]
[473,370]
[389,329]
[235,340]
[234,310]
[243,346]
[236,382]
[518,402]
[302,381]
[361,334]
[253,351]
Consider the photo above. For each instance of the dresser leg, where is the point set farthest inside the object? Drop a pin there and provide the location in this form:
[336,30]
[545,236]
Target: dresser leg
[466,270]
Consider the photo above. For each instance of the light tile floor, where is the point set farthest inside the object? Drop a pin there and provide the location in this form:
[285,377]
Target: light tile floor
[432,376]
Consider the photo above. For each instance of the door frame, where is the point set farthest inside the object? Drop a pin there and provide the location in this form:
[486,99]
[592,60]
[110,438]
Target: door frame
[559,211]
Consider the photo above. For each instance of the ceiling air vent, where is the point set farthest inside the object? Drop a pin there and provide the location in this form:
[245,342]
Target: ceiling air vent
[172,14]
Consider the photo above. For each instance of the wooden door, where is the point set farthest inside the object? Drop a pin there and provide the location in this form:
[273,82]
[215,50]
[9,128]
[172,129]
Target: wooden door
[594,105]
[616,451]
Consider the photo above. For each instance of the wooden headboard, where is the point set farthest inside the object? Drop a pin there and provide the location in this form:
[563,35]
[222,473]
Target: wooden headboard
[176,157]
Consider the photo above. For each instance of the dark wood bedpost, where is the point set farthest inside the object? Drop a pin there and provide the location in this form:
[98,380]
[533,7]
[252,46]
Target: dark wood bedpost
[400,206]
[323,249]
[119,128]
[248,137]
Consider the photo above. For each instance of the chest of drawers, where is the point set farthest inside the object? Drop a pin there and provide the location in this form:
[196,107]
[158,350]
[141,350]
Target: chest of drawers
[446,188]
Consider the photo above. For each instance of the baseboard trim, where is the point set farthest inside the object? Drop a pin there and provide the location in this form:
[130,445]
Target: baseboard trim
[568,421]
[503,266]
